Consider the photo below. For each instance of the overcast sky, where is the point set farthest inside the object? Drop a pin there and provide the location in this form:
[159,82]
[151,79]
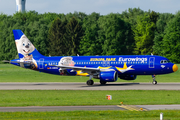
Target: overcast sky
[88,6]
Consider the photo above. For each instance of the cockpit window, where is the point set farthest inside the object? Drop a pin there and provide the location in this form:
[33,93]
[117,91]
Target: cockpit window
[164,61]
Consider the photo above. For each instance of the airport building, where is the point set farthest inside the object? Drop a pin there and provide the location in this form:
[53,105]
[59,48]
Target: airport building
[20,5]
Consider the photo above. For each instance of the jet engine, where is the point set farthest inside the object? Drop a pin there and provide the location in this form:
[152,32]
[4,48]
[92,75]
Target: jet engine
[108,76]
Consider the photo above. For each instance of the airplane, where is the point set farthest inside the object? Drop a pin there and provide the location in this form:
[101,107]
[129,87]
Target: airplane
[105,68]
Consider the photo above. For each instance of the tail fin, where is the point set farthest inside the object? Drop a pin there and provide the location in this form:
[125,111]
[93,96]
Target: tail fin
[24,47]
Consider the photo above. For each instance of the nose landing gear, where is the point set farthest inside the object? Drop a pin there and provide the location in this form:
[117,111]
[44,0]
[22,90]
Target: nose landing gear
[154,79]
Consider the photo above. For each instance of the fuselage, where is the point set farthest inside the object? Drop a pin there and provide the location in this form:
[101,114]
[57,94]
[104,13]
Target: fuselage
[124,64]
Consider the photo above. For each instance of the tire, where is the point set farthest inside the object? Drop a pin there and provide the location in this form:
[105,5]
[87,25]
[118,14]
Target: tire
[90,82]
[154,82]
[102,82]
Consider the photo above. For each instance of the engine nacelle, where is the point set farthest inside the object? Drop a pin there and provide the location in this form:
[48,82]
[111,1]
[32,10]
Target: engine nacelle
[128,77]
[108,76]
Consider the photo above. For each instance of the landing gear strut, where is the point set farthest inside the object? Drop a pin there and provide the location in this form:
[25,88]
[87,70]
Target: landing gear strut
[90,82]
[154,79]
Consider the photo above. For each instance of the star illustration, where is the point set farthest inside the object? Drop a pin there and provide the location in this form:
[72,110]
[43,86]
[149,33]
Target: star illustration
[124,69]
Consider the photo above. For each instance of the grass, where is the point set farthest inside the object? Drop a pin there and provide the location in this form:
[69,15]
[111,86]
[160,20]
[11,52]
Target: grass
[83,97]
[93,115]
[11,73]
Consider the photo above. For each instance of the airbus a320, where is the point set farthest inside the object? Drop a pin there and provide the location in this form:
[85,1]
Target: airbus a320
[104,68]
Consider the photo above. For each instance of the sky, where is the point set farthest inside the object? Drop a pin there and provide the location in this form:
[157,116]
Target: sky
[103,7]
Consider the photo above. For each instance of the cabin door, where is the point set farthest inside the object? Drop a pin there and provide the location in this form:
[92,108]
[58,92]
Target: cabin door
[41,63]
[151,62]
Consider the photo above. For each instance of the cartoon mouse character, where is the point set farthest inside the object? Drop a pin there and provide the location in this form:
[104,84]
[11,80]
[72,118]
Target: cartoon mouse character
[25,47]
[65,61]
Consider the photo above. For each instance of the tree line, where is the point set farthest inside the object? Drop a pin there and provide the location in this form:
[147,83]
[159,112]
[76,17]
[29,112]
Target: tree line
[132,32]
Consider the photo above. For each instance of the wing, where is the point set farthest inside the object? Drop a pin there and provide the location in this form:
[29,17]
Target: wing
[89,70]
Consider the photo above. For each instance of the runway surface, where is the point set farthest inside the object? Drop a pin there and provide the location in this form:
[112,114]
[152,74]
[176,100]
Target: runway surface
[92,108]
[59,108]
[83,86]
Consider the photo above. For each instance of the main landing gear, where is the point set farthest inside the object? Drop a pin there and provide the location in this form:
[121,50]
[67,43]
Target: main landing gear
[102,82]
[90,82]
[154,79]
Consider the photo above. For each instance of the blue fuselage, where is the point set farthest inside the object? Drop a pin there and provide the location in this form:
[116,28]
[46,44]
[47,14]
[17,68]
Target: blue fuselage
[138,64]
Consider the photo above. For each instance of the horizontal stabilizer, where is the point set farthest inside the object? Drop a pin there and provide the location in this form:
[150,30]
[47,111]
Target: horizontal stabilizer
[6,61]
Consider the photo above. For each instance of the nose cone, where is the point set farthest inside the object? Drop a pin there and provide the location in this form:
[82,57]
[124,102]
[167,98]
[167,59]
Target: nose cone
[175,67]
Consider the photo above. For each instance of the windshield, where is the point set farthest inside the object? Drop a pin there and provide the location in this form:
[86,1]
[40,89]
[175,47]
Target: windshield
[164,61]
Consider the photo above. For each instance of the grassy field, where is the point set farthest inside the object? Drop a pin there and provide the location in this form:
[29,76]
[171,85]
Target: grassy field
[11,73]
[83,97]
[93,115]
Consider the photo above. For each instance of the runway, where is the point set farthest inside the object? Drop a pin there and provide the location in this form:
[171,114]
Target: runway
[83,86]
[59,108]
[92,108]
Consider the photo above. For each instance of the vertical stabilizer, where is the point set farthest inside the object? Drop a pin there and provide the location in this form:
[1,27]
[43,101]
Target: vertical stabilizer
[25,48]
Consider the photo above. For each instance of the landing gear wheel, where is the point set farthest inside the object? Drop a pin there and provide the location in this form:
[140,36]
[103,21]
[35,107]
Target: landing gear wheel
[90,82]
[154,82]
[154,79]
[103,82]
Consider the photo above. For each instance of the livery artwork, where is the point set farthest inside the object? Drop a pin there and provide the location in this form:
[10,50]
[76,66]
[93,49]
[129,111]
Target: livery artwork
[65,61]
[25,48]
[105,68]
